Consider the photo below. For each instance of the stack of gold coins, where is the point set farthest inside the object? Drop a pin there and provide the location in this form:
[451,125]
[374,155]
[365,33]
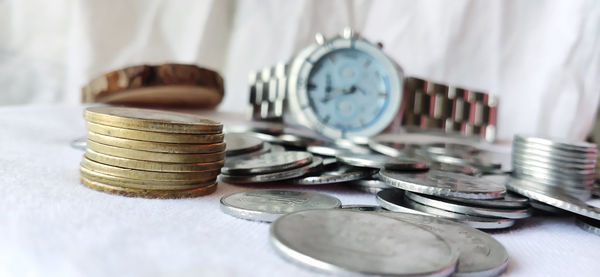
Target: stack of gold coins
[151,153]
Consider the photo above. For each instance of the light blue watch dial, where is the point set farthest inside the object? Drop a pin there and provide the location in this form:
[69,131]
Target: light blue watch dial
[348,89]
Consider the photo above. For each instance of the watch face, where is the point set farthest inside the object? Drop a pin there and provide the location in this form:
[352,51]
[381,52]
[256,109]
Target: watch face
[344,88]
[348,89]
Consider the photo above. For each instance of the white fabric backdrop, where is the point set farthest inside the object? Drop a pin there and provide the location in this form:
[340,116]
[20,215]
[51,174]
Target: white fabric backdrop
[542,58]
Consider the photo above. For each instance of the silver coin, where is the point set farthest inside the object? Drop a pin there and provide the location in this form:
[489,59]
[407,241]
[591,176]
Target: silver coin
[339,175]
[550,162]
[363,208]
[381,161]
[540,151]
[332,150]
[456,168]
[299,141]
[241,143]
[275,176]
[348,242]
[480,254]
[582,194]
[579,146]
[588,225]
[370,186]
[266,148]
[392,149]
[79,143]
[450,149]
[394,200]
[261,127]
[439,183]
[510,201]
[561,201]
[266,163]
[558,170]
[277,148]
[455,207]
[546,208]
[553,179]
[269,204]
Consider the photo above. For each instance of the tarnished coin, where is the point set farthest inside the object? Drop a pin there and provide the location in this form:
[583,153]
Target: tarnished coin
[394,200]
[588,225]
[150,193]
[275,176]
[123,182]
[269,204]
[371,186]
[561,201]
[154,156]
[480,254]
[439,183]
[200,176]
[341,174]
[79,143]
[241,143]
[267,163]
[160,147]
[456,207]
[153,136]
[152,166]
[348,242]
[152,120]
[381,161]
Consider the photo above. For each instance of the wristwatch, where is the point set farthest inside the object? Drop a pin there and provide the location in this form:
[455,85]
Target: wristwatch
[347,87]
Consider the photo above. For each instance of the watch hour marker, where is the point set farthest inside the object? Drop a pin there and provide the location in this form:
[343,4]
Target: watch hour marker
[311,86]
[382,94]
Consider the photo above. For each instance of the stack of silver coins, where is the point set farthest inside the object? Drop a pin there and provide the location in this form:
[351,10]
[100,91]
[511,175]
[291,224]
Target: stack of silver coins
[555,166]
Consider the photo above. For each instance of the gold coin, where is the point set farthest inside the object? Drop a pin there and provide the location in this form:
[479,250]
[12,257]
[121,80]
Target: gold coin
[165,194]
[140,184]
[153,156]
[149,175]
[152,120]
[156,146]
[153,136]
[152,166]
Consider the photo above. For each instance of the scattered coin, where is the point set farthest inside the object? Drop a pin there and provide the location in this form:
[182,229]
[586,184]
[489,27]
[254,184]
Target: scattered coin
[274,176]
[267,163]
[363,208]
[341,174]
[333,150]
[589,225]
[372,186]
[242,143]
[439,183]
[348,242]
[381,161]
[269,204]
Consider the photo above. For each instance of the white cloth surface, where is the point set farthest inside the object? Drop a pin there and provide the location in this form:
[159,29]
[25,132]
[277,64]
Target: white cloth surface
[51,225]
[541,58]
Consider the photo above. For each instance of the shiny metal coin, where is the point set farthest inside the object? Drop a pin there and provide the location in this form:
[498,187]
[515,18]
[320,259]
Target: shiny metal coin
[330,163]
[558,170]
[348,242]
[392,149]
[480,254]
[276,148]
[381,161]
[341,174]
[369,185]
[266,148]
[550,177]
[561,201]
[510,201]
[455,207]
[558,154]
[297,140]
[555,143]
[550,162]
[241,143]
[79,143]
[363,208]
[394,200]
[275,176]
[269,204]
[333,150]
[266,163]
[456,168]
[588,225]
[582,194]
[439,183]
[546,208]
[451,149]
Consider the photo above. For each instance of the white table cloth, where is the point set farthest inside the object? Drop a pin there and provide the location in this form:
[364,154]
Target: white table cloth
[51,225]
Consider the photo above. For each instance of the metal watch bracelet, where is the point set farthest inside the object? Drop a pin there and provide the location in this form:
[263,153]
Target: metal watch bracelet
[425,105]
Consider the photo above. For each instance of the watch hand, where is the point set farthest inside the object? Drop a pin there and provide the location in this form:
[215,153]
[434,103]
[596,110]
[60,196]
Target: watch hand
[362,91]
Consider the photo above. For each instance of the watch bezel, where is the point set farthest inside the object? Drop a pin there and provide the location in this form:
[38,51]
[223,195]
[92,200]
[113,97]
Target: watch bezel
[300,69]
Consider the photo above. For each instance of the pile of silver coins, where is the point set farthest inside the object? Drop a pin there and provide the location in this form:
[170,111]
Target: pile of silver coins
[555,166]
[432,198]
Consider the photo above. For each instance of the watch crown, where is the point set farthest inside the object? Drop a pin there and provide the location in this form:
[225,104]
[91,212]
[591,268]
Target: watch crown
[348,33]
[379,45]
[319,38]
